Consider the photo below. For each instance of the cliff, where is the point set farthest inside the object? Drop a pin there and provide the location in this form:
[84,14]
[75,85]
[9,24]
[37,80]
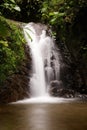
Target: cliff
[15,62]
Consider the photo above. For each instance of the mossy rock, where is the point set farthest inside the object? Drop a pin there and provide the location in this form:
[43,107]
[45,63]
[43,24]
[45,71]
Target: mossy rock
[11,47]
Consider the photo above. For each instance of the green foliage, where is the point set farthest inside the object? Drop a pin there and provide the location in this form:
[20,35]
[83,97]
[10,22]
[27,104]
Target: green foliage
[29,10]
[53,13]
[59,12]
[11,48]
[9,9]
[3,29]
[11,5]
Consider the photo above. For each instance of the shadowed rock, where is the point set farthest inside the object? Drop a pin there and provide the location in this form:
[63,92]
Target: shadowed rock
[16,87]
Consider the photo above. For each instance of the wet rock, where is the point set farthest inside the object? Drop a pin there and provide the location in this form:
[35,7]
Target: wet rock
[54,87]
[72,72]
[57,90]
[56,83]
[66,93]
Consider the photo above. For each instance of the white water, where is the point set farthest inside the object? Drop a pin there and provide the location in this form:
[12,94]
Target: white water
[45,61]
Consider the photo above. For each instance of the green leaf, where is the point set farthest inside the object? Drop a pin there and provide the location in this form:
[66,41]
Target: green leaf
[29,36]
[17,8]
[61,14]
[13,1]
[5,43]
[51,14]
[53,21]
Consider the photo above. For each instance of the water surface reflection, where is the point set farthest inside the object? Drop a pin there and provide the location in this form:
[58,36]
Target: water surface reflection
[63,116]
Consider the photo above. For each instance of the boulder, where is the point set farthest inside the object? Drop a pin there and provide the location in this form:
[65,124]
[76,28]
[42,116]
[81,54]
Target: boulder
[54,87]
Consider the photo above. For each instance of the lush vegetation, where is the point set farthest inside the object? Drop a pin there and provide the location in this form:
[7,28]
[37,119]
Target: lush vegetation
[21,10]
[11,41]
[11,47]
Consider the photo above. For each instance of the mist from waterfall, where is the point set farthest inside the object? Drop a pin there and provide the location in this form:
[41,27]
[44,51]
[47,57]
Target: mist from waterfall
[45,60]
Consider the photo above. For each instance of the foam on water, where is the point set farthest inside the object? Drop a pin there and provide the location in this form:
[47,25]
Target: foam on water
[44,99]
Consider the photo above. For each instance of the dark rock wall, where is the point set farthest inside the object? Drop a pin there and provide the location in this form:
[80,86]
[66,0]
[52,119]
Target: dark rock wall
[16,87]
[70,76]
[73,50]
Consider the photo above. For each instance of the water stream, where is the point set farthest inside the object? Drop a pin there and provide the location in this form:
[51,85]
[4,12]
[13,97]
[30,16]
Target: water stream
[45,60]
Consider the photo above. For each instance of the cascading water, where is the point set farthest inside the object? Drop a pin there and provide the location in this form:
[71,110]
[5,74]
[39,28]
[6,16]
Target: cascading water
[45,61]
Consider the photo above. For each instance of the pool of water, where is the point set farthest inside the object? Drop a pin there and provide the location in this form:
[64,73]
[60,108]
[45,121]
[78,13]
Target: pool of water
[44,116]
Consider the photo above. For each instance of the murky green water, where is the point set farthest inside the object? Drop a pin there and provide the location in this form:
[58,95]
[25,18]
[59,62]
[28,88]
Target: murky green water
[63,116]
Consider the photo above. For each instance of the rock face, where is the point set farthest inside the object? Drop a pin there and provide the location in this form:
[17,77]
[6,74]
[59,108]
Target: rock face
[71,83]
[70,73]
[16,87]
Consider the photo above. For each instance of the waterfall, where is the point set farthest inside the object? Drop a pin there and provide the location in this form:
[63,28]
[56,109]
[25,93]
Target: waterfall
[45,60]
